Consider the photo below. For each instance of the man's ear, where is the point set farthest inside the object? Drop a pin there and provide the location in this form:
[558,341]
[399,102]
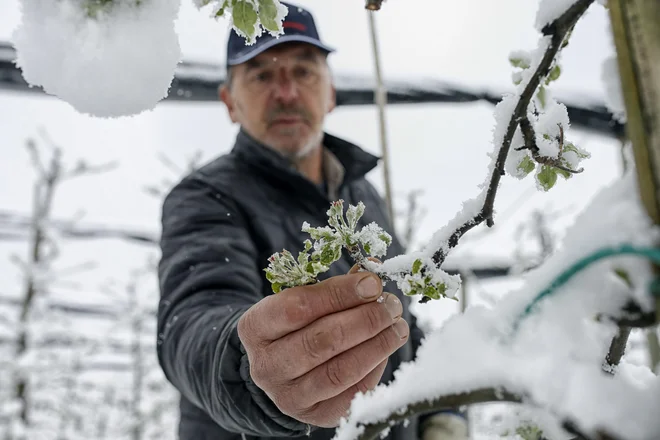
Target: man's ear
[226,97]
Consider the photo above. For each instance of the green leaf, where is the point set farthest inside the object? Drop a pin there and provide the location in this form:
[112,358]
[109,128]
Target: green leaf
[277,287]
[541,96]
[431,292]
[624,275]
[547,177]
[353,214]
[337,253]
[245,17]
[417,266]
[268,15]
[529,432]
[220,13]
[519,62]
[309,268]
[367,248]
[386,238]
[564,174]
[554,74]
[328,255]
[526,165]
[571,147]
[269,275]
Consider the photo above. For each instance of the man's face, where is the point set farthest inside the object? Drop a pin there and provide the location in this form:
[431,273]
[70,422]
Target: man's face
[281,97]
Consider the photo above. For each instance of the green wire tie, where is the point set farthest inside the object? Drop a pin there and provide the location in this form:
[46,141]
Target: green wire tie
[651,253]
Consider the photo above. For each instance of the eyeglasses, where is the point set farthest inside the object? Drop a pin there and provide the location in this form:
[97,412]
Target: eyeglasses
[265,76]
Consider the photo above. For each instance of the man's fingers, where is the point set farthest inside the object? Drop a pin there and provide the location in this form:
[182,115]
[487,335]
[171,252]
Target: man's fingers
[327,414]
[348,368]
[356,267]
[333,334]
[292,309]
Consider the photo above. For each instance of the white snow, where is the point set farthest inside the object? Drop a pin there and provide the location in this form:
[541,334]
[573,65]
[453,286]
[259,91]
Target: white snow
[550,10]
[547,124]
[438,147]
[556,356]
[121,63]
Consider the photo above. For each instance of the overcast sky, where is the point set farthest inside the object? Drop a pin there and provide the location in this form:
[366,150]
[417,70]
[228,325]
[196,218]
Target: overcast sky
[439,148]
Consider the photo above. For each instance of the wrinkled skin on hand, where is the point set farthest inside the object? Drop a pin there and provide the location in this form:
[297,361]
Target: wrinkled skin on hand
[312,348]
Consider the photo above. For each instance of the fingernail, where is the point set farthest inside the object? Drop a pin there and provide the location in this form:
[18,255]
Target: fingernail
[368,287]
[401,328]
[393,306]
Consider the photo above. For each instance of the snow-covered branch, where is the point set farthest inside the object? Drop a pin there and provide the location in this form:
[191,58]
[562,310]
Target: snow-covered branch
[556,31]
[372,430]
[556,358]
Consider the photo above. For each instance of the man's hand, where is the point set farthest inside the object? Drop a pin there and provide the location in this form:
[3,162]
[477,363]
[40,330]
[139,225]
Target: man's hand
[312,348]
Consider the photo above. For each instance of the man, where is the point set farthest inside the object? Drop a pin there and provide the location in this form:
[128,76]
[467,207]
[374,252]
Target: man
[249,363]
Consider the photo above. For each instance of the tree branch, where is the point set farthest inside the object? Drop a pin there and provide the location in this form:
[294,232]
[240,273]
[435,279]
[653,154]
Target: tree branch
[617,349]
[483,395]
[529,138]
[557,30]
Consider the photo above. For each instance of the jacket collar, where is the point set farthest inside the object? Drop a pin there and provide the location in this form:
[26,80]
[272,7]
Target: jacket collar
[356,161]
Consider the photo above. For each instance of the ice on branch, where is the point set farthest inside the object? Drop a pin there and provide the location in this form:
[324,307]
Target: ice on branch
[107,58]
[539,143]
[284,270]
[249,18]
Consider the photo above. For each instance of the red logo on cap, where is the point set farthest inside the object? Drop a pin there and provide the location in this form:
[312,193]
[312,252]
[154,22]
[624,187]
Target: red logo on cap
[294,25]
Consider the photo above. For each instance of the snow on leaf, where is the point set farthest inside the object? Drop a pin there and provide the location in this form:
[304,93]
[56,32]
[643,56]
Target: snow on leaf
[270,15]
[244,16]
[546,177]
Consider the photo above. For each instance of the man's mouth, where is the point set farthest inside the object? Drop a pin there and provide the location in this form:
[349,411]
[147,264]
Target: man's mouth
[289,120]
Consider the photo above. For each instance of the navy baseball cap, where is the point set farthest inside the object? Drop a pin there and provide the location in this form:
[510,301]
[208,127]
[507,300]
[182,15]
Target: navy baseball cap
[298,26]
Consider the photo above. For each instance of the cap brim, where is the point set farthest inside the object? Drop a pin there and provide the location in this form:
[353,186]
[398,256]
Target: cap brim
[276,41]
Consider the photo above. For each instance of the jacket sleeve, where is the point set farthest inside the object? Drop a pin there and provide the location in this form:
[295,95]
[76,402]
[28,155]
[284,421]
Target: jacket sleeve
[209,277]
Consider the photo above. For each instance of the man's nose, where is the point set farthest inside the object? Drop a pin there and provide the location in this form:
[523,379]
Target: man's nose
[286,88]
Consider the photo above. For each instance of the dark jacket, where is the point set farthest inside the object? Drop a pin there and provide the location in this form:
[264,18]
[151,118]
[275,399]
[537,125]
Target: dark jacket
[219,226]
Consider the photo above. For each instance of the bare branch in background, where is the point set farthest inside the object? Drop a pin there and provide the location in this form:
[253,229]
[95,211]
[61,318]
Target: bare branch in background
[160,189]
[83,168]
[43,249]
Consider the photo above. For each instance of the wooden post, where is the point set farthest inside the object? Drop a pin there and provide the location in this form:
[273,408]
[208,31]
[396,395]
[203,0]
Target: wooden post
[637,39]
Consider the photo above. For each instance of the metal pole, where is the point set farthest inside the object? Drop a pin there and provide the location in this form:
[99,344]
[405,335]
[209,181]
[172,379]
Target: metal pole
[381,101]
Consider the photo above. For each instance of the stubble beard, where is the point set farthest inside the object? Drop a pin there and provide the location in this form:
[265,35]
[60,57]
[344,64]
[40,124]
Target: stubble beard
[298,155]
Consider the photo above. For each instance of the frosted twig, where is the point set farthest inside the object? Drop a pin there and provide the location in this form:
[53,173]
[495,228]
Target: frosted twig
[557,30]
[483,395]
[530,144]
